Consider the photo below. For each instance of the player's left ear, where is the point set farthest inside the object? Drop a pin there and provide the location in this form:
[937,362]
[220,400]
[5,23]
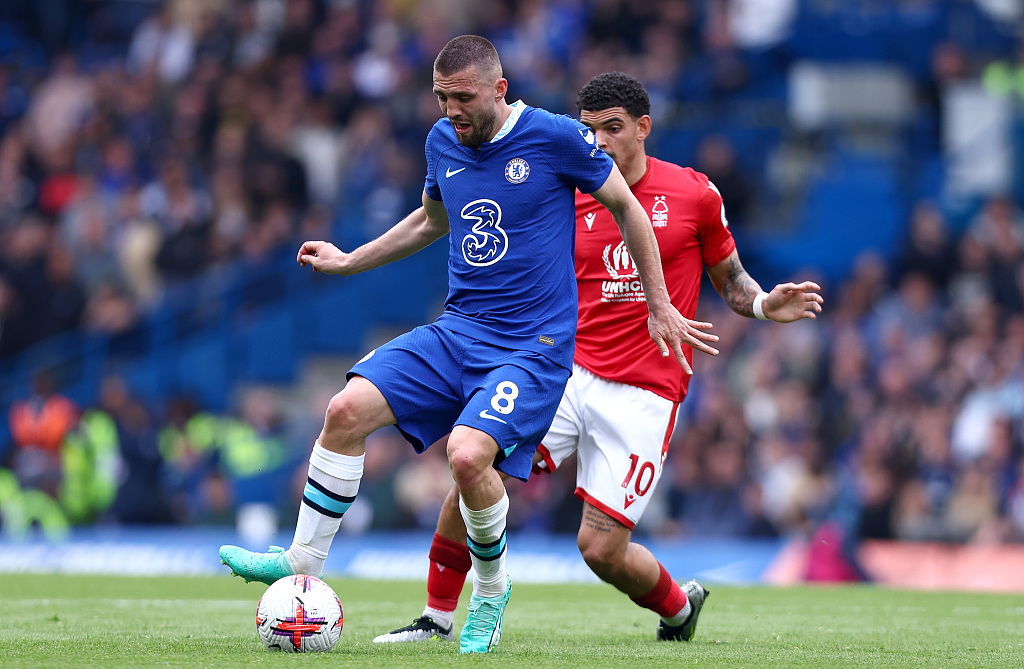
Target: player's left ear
[643,127]
[501,88]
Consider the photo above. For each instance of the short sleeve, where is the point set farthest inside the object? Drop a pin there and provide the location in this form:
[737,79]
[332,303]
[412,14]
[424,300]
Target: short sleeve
[433,153]
[581,162]
[716,241]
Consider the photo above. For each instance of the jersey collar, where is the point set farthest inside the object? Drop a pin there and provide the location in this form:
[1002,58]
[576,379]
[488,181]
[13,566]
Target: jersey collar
[646,177]
[518,107]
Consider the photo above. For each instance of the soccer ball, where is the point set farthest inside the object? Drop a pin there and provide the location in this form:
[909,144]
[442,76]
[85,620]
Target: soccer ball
[299,614]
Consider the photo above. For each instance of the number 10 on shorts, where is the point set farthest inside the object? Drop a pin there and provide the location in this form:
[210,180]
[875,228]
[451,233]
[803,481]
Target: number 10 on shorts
[644,476]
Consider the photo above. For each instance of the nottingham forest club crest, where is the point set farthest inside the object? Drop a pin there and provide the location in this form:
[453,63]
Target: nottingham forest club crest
[659,212]
[517,170]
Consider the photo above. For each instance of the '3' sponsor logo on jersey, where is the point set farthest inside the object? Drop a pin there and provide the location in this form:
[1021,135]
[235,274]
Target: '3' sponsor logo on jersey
[486,242]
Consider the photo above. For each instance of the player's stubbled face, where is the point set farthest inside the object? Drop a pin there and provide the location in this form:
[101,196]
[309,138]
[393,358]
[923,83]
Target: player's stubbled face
[615,131]
[469,103]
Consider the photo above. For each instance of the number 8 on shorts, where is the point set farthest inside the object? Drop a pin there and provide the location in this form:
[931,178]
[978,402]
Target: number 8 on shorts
[504,400]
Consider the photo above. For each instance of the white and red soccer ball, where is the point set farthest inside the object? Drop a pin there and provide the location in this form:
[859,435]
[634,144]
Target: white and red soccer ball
[299,614]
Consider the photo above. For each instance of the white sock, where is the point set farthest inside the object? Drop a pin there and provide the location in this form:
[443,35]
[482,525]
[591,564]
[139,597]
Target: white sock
[442,618]
[330,490]
[486,532]
[680,618]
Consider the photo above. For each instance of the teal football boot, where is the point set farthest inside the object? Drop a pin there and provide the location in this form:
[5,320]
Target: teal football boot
[483,625]
[266,567]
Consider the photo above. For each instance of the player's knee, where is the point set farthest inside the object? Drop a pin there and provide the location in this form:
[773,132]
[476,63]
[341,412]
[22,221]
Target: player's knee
[600,561]
[602,556]
[342,415]
[468,464]
[592,549]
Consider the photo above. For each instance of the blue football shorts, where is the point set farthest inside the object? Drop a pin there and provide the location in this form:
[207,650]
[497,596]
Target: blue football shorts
[435,379]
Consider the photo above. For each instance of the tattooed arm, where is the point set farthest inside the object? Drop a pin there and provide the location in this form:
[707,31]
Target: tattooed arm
[786,302]
[736,287]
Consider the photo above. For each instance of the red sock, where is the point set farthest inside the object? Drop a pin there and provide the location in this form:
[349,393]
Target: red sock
[449,564]
[666,598]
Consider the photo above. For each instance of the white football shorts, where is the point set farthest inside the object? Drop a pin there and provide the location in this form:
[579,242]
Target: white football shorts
[621,433]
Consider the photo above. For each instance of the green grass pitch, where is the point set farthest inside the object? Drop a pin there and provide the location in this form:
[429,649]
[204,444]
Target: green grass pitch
[80,621]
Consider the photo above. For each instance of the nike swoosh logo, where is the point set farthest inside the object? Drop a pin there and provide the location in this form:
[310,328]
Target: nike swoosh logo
[488,416]
[587,135]
[450,173]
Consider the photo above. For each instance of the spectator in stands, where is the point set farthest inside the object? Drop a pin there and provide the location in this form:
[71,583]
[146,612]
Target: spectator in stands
[973,510]
[183,211]
[255,459]
[137,245]
[386,504]
[86,226]
[23,265]
[38,426]
[187,445]
[716,505]
[928,249]
[110,310]
[917,517]
[875,490]
[59,105]
[164,46]
[716,157]
[141,497]
[421,486]
[1015,504]
[999,227]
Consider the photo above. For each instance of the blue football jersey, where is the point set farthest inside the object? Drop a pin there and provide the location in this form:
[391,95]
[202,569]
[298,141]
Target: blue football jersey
[510,204]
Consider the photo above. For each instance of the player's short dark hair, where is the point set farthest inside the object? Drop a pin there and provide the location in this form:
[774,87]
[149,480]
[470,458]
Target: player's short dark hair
[614,89]
[467,51]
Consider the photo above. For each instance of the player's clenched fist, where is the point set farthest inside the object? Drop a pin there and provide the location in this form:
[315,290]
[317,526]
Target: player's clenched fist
[324,257]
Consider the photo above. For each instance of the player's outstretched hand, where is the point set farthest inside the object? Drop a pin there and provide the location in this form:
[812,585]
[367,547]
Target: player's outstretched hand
[323,256]
[790,302]
[671,330]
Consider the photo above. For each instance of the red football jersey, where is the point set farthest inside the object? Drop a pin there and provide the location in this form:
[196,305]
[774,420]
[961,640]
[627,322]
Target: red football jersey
[612,339]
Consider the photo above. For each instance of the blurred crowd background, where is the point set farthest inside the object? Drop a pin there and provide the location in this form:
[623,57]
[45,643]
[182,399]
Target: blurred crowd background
[164,361]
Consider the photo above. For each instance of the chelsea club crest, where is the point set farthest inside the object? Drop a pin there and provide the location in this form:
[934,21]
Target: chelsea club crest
[517,170]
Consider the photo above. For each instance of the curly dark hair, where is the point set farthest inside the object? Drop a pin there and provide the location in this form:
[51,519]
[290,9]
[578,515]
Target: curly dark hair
[614,89]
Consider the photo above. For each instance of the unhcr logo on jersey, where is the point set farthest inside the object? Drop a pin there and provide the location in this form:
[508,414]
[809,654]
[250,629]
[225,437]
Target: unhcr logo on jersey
[619,263]
[517,170]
